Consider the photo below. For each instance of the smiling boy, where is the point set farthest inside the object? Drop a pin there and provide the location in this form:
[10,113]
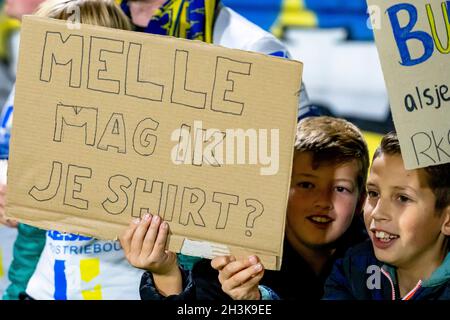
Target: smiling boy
[407,215]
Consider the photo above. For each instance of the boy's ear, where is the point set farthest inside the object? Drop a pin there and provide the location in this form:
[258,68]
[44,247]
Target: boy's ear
[446,225]
[360,204]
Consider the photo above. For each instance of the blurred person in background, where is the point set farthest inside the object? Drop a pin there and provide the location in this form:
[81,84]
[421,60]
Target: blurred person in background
[10,16]
[30,241]
[8,53]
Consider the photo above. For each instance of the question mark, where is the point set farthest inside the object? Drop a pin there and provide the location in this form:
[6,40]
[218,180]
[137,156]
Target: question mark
[257,211]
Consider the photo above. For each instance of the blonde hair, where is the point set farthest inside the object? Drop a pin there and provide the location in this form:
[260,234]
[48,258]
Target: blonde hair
[105,13]
[333,140]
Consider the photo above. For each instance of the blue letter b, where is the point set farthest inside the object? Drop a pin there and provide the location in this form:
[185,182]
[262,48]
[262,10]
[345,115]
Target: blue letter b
[402,35]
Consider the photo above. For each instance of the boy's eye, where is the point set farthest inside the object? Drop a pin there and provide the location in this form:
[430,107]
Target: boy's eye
[305,185]
[342,189]
[372,194]
[403,198]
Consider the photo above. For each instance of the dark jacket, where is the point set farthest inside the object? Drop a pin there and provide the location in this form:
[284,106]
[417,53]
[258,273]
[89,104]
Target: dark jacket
[295,281]
[359,275]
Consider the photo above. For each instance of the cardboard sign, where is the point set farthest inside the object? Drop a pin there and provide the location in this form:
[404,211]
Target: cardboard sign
[110,125]
[413,40]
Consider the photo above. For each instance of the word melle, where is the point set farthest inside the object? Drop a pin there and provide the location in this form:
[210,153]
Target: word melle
[68,53]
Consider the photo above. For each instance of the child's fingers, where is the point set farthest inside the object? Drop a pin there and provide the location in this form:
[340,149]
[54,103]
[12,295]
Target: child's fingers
[139,234]
[127,235]
[220,262]
[248,277]
[234,267]
[159,249]
[150,236]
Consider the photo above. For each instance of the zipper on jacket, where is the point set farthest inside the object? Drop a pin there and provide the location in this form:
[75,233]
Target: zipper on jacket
[413,291]
[390,281]
[409,295]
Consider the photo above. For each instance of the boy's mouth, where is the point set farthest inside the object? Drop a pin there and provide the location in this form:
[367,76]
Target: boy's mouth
[385,236]
[383,239]
[320,220]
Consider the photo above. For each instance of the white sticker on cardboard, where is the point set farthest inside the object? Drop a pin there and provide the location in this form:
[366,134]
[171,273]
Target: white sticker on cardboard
[204,249]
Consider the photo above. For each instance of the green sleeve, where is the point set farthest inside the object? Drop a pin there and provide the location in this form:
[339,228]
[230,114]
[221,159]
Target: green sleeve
[27,250]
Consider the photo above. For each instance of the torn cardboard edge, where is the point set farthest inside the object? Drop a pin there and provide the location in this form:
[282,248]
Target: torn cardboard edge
[176,243]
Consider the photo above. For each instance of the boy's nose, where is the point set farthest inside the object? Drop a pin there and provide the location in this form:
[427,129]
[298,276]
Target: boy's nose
[323,200]
[380,211]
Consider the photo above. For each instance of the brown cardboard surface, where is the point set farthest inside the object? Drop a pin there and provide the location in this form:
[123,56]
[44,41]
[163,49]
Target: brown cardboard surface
[412,38]
[95,141]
